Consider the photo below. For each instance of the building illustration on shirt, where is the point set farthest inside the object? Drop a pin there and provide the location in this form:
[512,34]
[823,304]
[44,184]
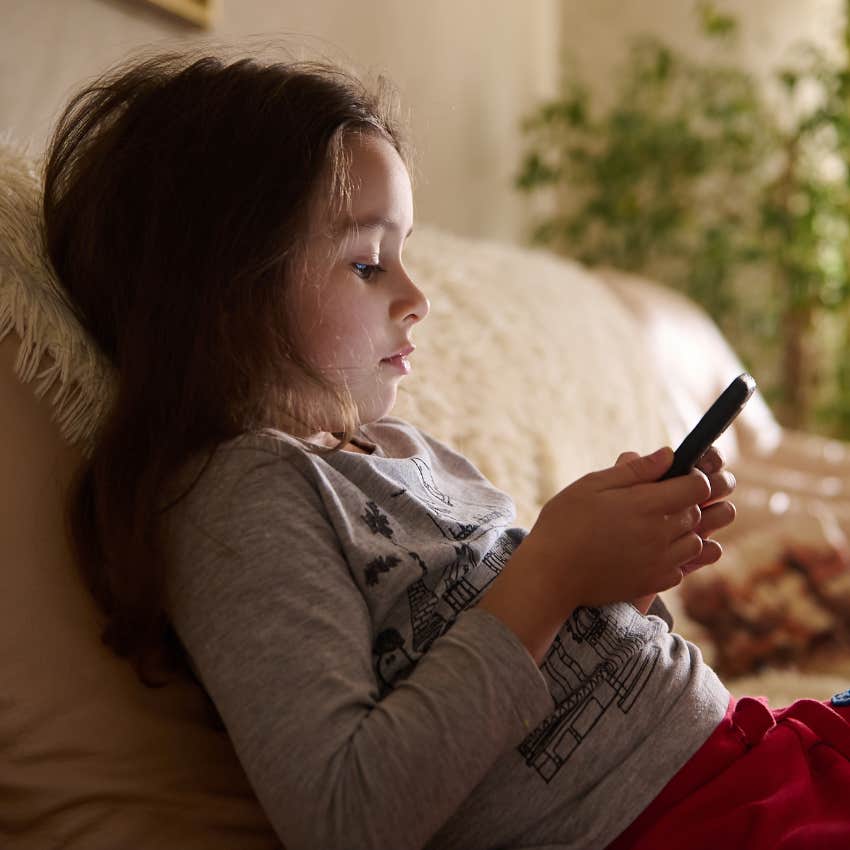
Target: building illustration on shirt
[598,662]
[439,593]
[615,666]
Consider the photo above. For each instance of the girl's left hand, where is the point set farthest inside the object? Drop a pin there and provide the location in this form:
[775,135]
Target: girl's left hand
[717,512]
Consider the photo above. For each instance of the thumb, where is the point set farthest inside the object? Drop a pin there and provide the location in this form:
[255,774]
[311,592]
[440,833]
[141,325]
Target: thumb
[637,469]
[625,457]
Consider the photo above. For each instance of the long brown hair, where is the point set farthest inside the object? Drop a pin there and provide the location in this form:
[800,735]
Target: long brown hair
[176,196]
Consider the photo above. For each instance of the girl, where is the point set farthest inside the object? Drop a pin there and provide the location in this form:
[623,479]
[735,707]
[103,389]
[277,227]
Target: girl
[396,664]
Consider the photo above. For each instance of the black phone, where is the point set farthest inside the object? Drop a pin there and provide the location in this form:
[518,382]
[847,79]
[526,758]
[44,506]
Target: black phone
[716,420]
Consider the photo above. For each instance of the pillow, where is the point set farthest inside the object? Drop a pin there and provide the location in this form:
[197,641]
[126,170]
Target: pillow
[780,596]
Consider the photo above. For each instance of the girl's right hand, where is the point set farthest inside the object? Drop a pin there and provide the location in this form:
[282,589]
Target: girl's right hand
[619,533]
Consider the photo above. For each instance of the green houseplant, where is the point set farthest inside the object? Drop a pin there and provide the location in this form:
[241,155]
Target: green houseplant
[702,177]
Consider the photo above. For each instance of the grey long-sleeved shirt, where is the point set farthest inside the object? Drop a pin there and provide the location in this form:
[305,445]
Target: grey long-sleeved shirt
[328,607]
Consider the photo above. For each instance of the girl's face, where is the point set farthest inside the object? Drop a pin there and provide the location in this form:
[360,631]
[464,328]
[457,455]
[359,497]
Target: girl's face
[358,306]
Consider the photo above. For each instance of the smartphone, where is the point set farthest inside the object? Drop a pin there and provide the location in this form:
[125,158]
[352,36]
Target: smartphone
[716,420]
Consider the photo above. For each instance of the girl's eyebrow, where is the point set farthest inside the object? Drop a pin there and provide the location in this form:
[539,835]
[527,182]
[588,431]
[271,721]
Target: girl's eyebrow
[371,223]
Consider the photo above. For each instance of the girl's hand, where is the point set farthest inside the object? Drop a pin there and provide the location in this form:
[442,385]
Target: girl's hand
[619,533]
[716,513]
[615,534]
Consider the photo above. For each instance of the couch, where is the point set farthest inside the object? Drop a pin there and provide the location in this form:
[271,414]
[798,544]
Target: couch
[537,368]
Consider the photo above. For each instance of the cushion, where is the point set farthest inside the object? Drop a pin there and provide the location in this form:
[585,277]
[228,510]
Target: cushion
[779,597]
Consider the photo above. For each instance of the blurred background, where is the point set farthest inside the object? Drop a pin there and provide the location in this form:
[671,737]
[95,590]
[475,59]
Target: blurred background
[703,144]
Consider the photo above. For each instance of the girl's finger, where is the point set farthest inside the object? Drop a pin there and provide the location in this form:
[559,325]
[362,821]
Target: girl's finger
[685,550]
[710,554]
[711,461]
[722,485]
[676,494]
[715,517]
[683,522]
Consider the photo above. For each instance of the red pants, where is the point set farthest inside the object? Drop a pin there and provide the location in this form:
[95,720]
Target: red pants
[764,780]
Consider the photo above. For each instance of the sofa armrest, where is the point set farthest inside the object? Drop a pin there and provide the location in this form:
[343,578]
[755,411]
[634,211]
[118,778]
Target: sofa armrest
[693,363]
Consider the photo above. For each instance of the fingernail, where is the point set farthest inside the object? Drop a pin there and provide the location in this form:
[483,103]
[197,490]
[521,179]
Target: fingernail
[712,463]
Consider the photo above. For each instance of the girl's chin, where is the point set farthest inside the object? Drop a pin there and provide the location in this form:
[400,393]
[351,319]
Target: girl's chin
[375,409]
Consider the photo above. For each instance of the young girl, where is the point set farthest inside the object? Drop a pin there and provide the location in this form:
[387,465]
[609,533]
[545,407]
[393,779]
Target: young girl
[396,664]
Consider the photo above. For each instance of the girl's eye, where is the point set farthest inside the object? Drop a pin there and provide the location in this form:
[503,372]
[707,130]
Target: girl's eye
[366,271]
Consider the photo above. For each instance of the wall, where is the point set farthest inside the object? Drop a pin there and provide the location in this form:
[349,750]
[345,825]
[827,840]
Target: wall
[467,69]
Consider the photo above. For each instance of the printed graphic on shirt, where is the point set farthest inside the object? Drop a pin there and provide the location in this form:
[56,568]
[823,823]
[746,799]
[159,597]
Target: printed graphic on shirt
[442,590]
[595,665]
[444,509]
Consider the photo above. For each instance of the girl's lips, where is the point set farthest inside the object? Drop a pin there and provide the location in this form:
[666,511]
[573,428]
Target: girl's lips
[399,362]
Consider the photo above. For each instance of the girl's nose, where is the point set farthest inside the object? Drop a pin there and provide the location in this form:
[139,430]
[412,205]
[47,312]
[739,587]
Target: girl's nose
[412,305]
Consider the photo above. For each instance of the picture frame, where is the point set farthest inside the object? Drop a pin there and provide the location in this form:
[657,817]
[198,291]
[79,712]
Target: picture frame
[202,13]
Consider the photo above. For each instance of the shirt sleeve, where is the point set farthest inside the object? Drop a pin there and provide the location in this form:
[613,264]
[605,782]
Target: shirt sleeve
[262,598]
[659,609]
